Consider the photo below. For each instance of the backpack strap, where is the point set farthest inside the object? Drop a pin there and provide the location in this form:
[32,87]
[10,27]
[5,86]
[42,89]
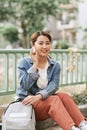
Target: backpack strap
[18,100]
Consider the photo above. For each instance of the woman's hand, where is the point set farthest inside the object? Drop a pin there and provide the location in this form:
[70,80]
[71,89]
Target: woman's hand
[31,99]
[33,56]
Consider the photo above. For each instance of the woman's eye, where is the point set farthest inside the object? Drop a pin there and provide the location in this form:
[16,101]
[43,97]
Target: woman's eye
[40,43]
[48,43]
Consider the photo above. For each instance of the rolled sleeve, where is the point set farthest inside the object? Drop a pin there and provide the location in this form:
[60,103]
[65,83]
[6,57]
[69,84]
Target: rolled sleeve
[34,74]
[44,93]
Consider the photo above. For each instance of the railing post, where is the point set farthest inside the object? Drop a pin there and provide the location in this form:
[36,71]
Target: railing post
[86,70]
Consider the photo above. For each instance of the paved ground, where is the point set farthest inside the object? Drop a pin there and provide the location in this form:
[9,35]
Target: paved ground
[54,128]
[73,89]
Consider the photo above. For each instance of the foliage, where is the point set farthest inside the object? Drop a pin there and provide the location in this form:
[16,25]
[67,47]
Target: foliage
[11,34]
[62,44]
[32,14]
[29,13]
[84,45]
[85,38]
[80,98]
[73,56]
[6,10]
[1,31]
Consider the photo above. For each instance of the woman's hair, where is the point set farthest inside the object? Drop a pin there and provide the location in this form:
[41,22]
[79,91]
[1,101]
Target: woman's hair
[35,35]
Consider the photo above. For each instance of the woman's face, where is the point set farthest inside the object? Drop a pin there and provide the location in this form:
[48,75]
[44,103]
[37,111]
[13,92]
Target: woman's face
[42,45]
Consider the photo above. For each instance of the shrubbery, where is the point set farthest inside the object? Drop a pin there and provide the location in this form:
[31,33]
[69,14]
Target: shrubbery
[80,98]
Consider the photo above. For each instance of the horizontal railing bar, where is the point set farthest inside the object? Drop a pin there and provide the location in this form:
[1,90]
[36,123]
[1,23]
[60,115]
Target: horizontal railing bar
[27,50]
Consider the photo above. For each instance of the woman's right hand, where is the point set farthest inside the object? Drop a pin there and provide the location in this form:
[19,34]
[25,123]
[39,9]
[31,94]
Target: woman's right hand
[31,99]
[33,56]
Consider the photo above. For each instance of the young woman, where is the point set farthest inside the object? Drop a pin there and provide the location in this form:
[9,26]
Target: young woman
[38,82]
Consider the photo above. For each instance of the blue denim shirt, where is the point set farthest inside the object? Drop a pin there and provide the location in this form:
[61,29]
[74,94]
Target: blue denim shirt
[27,78]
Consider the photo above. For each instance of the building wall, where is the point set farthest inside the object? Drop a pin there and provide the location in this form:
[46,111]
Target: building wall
[73,30]
[82,21]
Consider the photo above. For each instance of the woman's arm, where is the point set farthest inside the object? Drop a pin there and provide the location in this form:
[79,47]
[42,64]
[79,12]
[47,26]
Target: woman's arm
[27,75]
[52,87]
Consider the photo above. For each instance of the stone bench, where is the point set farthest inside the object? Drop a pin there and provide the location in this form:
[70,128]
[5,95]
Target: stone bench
[48,124]
[40,125]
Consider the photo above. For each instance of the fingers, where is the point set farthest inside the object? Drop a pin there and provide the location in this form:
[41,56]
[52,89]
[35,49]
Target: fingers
[34,58]
[33,51]
[31,99]
[27,100]
[33,55]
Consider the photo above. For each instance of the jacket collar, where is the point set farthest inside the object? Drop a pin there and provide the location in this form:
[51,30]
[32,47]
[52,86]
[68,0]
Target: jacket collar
[51,61]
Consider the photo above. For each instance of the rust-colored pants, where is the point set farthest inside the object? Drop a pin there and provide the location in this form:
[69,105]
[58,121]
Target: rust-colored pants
[61,108]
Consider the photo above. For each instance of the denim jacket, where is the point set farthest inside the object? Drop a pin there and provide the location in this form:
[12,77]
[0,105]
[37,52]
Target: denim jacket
[28,77]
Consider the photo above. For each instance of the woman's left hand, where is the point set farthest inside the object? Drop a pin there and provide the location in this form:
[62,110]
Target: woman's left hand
[31,99]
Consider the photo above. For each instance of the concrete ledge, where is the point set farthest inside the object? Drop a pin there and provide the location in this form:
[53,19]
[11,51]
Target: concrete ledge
[48,124]
[83,109]
[40,125]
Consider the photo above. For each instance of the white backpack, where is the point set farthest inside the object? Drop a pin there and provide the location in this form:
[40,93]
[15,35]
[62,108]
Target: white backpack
[18,117]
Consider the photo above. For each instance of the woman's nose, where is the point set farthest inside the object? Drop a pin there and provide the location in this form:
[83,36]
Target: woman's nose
[44,46]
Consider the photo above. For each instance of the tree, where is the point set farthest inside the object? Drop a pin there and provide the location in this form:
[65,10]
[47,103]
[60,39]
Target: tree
[6,10]
[30,13]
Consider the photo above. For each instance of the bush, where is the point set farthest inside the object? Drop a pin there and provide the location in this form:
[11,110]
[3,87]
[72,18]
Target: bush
[81,98]
[11,34]
[62,44]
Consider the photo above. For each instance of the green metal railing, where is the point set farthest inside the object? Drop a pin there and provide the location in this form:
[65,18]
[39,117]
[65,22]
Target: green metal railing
[73,67]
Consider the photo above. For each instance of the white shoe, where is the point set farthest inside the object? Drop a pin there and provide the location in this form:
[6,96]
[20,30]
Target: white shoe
[83,125]
[74,128]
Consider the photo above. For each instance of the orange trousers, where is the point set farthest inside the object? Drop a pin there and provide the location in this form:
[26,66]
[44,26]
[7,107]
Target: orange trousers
[61,108]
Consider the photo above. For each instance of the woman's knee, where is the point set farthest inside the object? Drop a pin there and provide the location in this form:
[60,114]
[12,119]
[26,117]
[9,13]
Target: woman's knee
[63,95]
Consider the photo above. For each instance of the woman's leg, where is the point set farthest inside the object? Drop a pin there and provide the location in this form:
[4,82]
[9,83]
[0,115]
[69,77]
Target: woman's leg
[54,108]
[71,107]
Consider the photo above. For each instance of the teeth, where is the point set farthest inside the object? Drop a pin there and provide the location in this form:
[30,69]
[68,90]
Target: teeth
[44,51]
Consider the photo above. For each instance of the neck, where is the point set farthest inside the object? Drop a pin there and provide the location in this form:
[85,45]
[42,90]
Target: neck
[42,62]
